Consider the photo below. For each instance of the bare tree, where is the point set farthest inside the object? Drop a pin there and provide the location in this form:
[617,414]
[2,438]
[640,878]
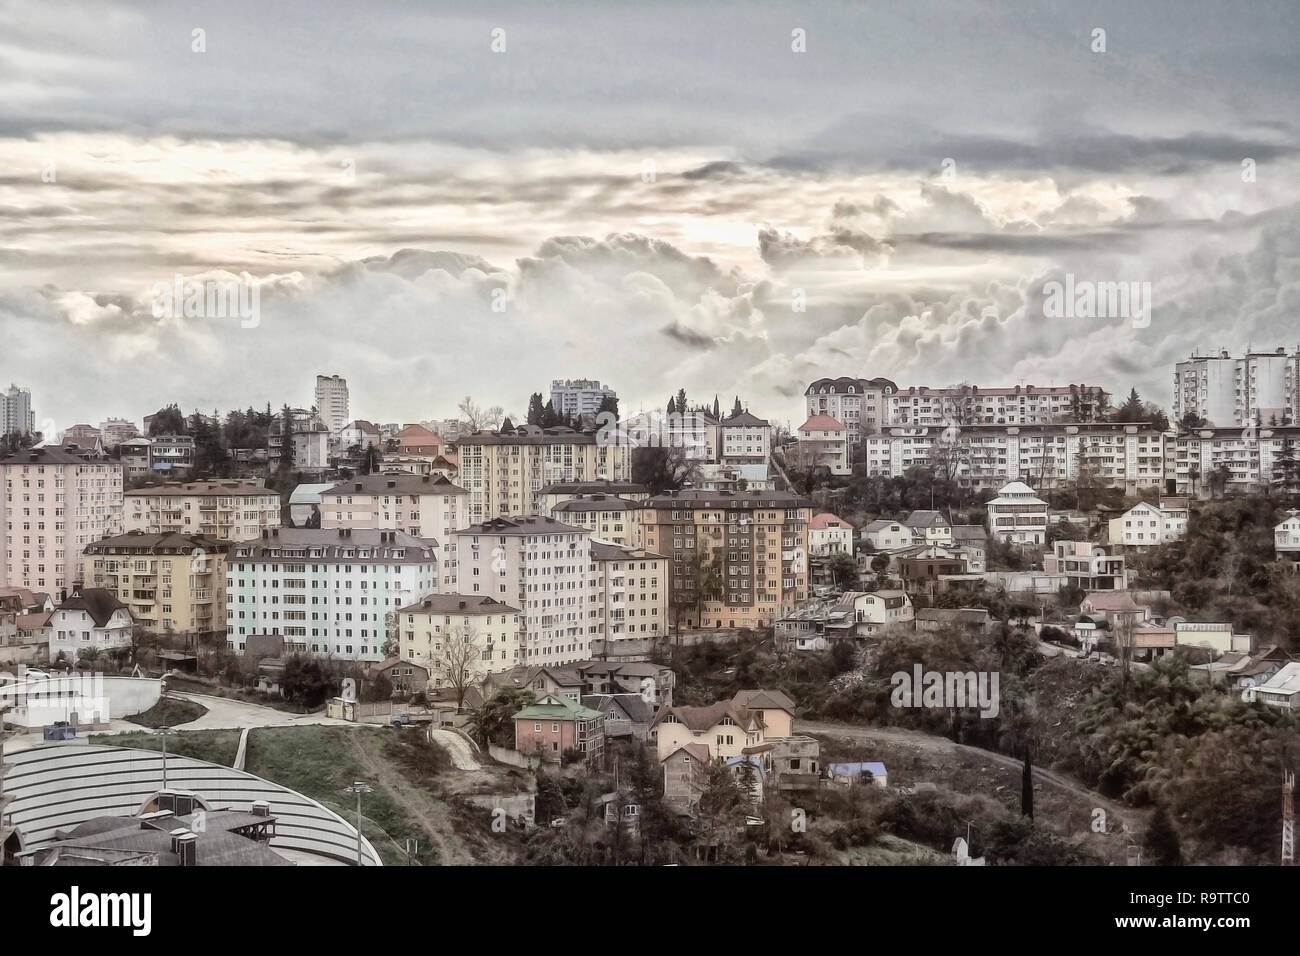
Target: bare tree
[458,661]
[479,417]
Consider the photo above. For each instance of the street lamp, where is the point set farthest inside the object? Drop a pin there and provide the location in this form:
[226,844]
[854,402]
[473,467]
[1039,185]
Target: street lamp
[359,787]
[164,733]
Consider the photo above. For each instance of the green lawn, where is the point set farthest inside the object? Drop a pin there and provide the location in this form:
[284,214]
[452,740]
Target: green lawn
[214,746]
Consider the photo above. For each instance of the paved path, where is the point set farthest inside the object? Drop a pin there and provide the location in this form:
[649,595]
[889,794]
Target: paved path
[462,756]
[226,714]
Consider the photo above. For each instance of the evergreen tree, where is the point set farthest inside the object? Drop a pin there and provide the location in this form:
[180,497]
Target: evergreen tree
[549,418]
[167,421]
[1161,840]
[535,408]
[735,408]
[672,406]
[1027,789]
[1132,410]
[717,409]
[608,404]
[681,401]
[286,444]
[507,425]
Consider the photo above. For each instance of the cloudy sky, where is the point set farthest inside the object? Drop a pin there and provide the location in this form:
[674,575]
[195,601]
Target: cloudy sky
[647,194]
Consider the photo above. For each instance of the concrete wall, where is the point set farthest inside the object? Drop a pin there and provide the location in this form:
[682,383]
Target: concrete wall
[91,698]
[513,757]
[55,787]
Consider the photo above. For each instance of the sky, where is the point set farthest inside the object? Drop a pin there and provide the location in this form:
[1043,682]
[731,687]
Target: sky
[439,200]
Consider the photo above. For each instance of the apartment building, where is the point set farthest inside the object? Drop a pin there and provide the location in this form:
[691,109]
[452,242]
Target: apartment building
[16,413]
[744,439]
[821,442]
[829,534]
[114,431]
[170,454]
[436,629]
[1115,454]
[552,495]
[334,592]
[860,403]
[1146,525]
[544,568]
[1258,387]
[1086,565]
[1227,460]
[332,401]
[608,517]
[1286,537]
[83,436]
[231,509]
[171,583]
[1018,514]
[738,560]
[579,396]
[506,472]
[310,439]
[695,431]
[972,405]
[631,591]
[53,502]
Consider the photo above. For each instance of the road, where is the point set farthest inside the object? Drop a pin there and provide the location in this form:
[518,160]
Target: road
[462,754]
[943,747]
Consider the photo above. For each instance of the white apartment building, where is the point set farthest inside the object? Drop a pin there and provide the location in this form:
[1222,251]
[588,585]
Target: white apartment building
[744,439]
[860,403]
[232,509]
[821,442]
[1146,525]
[696,432]
[53,503]
[89,619]
[579,396]
[1242,460]
[1018,514]
[544,568]
[432,627]
[1259,387]
[334,593]
[973,405]
[631,591]
[607,517]
[505,473]
[829,534]
[16,413]
[332,401]
[1124,455]
[114,431]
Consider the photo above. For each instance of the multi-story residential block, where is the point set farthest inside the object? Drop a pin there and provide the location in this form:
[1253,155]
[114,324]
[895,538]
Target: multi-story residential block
[829,534]
[53,502]
[1086,565]
[1146,525]
[310,438]
[1018,515]
[1227,460]
[544,568]
[114,431]
[631,591]
[738,560]
[332,401]
[171,583]
[973,405]
[744,439]
[16,413]
[609,517]
[556,724]
[1108,454]
[231,509]
[439,630]
[88,619]
[579,396]
[424,506]
[1257,388]
[695,431]
[506,472]
[821,442]
[1286,537]
[171,454]
[861,404]
[329,592]
[552,495]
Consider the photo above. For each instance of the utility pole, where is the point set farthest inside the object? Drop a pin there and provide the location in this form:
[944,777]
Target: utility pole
[359,787]
[1288,818]
[164,733]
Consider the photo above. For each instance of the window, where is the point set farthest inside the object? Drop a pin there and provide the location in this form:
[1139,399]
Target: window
[537,728]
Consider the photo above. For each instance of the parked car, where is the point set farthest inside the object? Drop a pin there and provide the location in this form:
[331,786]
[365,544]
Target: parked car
[400,720]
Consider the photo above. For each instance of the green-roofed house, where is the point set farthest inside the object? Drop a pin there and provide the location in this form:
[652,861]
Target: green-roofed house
[555,724]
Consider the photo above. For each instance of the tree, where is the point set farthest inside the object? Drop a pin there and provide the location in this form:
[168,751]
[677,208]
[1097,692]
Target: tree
[457,661]
[1027,788]
[608,405]
[736,409]
[1161,840]
[480,418]
[494,721]
[549,417]
[535,407]
[717,411]
[210,455]
[680,404]
[1219,478]
[844,571]
[1132,410]
[15,441]
[663,469]
[285,465]
[167,421]
[703,581]
[723,803]
[370,460]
